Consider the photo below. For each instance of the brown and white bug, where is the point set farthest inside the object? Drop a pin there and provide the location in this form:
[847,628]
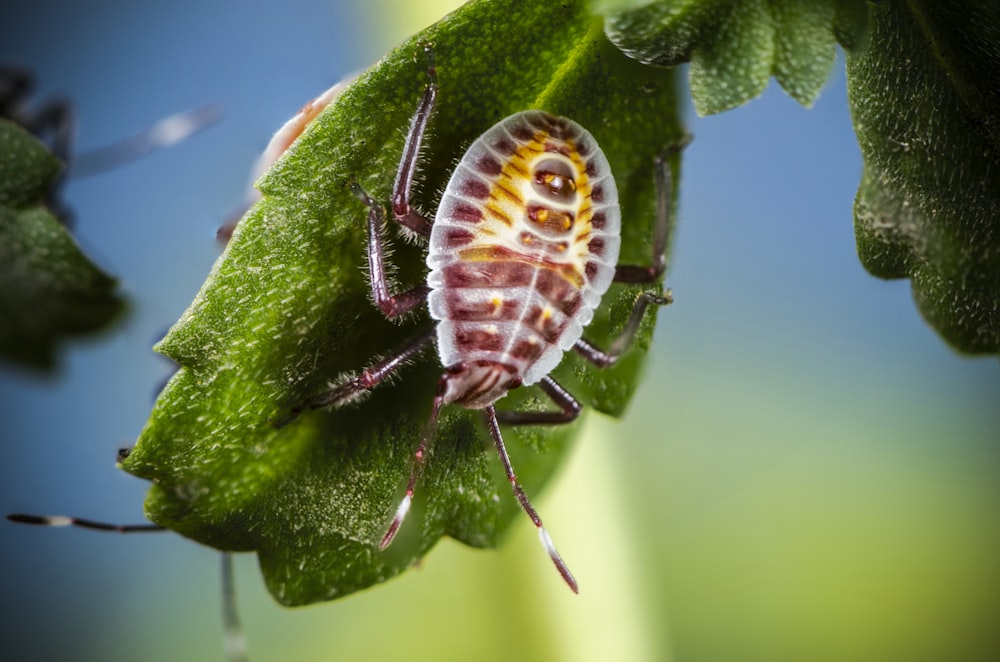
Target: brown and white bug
[524,244]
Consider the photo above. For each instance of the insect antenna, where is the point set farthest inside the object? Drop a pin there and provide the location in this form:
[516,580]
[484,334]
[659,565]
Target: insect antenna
[522,498]
[62,520]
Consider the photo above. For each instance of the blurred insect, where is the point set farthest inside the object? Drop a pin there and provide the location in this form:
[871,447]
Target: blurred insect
[276,147]
[54,123]
[524,244]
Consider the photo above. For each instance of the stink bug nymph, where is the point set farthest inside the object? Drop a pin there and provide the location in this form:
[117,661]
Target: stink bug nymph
[524,244]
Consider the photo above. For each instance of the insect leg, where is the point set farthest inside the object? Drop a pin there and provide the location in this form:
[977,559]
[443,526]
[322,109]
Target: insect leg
[15,88]
[522,498]
[55,124]
[569,408]
[401,209]
[61,520]
[665,182]
[369,378]
[163,133]
[419,457]
[602,358]
[234,639]
[391,305]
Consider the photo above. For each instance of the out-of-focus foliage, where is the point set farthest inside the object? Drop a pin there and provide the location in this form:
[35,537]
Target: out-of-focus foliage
[49,290]
[926,110]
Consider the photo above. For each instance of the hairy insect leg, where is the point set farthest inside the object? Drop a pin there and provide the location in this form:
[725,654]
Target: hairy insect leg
[602,358]
[522,499]
[234,639]
[569,407]
[665,184]
[401,209]
[368,379]
[391,305]
[419,458]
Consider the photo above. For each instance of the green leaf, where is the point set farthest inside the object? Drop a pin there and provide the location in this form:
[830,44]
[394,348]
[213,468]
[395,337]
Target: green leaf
[287,309]
[48,288]
[926,110]
[735,46]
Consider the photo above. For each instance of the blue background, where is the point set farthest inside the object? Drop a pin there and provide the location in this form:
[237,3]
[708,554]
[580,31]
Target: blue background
[808,472]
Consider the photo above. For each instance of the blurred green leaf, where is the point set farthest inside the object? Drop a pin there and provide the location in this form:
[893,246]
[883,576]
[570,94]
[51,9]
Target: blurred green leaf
[49,289]
[735,46]
[926,110]
[922,85]
[287,309]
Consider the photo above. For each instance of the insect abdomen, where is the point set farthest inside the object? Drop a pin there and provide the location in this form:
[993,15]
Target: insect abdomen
[523,246]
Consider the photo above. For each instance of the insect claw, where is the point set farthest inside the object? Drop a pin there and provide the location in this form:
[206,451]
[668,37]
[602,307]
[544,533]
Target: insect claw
[360,194]
[675,147]
[428,48]
[429,55]
[664,299]
[292,414]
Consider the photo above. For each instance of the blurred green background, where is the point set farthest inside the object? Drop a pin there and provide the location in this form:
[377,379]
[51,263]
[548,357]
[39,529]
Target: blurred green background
[808,473]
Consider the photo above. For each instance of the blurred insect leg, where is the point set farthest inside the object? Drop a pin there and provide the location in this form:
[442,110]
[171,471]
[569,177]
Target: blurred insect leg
[163,133]
[368,379]
[234,639]
[569,408]
[401,209]
[602,358]
[419,458]
[522,498]
[55,124]
[665,183]
[16,84]
[391,305]
[60,520]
